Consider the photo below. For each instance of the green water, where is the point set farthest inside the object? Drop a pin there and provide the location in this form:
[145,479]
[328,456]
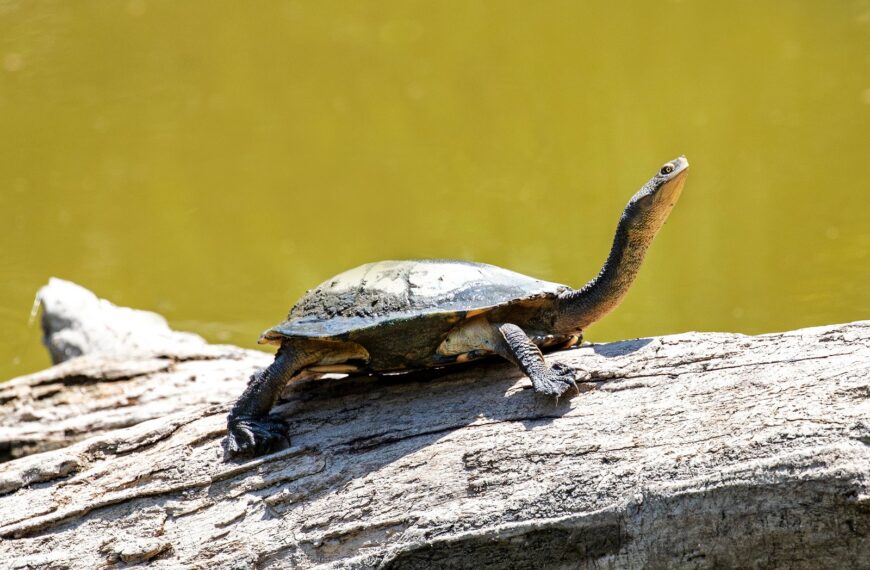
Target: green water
[212,160]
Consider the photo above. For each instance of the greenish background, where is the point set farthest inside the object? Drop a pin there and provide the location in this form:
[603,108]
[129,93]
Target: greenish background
[212,160]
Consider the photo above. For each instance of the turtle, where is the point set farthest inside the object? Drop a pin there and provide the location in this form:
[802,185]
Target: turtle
[398,316]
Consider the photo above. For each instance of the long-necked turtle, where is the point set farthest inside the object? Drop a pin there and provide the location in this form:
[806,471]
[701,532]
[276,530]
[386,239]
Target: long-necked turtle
[401,315]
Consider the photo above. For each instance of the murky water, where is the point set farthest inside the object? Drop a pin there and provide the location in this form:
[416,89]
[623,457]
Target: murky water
[212,160]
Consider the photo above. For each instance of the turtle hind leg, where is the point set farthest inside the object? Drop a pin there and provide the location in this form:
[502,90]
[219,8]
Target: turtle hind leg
[251,431]
[517,347]
[249,437]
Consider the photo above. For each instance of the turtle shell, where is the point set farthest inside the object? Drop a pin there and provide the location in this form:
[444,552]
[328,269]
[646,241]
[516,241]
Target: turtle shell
[373,299]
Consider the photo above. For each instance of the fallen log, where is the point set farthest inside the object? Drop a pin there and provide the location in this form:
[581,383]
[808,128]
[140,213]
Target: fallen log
[116,367]
[697,450]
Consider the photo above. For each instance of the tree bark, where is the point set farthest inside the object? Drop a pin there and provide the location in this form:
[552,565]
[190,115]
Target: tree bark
[698,450]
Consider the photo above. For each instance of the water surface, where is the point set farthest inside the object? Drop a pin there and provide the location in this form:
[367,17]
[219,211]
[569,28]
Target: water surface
[213,160]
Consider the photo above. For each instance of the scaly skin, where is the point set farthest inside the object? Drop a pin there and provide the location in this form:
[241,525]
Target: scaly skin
[640,222]
[517,347]
[251,431]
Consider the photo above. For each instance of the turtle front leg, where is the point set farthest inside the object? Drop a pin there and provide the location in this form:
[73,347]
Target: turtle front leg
[517,347]
[251,431]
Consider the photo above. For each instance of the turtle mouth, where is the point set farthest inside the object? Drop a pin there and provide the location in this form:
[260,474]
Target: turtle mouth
[680,164]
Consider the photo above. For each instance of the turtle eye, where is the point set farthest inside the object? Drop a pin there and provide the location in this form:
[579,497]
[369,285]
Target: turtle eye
[667,169]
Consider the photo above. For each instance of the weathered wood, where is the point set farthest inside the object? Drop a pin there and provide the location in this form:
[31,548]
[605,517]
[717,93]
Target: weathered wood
[699,450]
[119,367]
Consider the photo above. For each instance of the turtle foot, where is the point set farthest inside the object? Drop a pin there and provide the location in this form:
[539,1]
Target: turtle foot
[556,381]
[247,437]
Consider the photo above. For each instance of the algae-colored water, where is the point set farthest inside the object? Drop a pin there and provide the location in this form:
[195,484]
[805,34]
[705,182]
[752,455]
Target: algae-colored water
[212,160]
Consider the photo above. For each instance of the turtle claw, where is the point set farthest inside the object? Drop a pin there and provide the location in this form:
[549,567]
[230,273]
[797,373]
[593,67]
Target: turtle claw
[558,379]
[248,437]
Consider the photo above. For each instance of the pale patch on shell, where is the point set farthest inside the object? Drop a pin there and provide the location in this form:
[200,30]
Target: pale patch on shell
[474,334]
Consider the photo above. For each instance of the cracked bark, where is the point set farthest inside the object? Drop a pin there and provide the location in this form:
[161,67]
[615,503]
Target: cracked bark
[688,451]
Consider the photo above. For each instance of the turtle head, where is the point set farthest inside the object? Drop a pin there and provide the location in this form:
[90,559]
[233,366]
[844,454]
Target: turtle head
[641,220]
[649,208]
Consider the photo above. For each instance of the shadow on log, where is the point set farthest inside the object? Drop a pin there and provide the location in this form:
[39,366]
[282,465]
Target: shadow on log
[699,450]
